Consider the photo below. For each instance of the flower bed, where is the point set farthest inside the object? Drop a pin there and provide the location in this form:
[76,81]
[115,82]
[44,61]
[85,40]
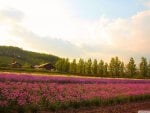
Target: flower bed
[32,93]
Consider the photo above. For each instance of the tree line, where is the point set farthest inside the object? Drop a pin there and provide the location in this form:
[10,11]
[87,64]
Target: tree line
[115,68]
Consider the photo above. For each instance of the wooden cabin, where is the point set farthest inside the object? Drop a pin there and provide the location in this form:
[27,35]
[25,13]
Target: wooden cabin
[47,66]
[16,65]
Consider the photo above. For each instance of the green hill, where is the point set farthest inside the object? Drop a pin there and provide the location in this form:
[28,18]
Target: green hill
[25,58]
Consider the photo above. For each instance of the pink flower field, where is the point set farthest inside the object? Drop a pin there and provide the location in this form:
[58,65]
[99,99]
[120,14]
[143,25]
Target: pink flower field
[27,92]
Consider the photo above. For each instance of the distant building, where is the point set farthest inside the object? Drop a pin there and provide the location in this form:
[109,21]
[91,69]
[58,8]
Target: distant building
[16,65]
[47,66]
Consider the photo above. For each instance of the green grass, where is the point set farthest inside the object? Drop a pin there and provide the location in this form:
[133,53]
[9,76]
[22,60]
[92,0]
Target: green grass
[96,102]
[57,106]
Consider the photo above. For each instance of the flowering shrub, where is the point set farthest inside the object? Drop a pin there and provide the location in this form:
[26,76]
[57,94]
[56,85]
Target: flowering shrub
[43,92]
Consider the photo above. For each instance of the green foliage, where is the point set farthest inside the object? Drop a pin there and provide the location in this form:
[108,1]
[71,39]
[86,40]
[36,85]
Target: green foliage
[105,69]
[148,74]
[131,67]
[143,67]
[101,68]
[73,67]
[26,58]
[66,65]
[122,69]
[88,67]
[81,67]
[94,67]
[62,65]
[59,65]
[115,67]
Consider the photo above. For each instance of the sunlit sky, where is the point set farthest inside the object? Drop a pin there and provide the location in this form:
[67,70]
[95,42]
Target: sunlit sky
[78,28]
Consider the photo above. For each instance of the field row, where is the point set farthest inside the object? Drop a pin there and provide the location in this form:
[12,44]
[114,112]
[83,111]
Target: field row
[59,79]
[27,96]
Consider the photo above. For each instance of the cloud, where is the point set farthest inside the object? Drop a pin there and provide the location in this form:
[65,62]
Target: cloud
[121,37]
[71,37]
[24,37]
[11,15]
[9,18]
[50,45]
[131,34]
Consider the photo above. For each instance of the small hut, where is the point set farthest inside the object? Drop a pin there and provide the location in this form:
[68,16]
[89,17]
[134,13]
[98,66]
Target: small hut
[47,66]
[16,65]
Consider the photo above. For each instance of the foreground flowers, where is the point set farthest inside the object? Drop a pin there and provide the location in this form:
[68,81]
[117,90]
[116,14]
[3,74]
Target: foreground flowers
[28,92]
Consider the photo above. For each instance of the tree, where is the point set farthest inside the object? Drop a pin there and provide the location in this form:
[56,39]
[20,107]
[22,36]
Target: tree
[115,66]
[111,67]
[59,65]
[63,65]
[143,67]
[88,66]
[80,66]
[73,66]
[148,74]
[101,68]
[94,67]
[105,69]
[131,67]
[122,69]
[67,65]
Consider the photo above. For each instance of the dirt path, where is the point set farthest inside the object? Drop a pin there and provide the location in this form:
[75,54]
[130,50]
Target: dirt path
[133,107]
[66,75]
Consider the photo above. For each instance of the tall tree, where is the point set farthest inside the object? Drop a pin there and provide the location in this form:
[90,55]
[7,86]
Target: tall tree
[131,67]
[111,67]
[101,68]
[63,65]
[115,66]
[59,65]
[94,67]
[80,66]
[88,66]
[143,67]
[105,69]
[122,73]
[148,74]
[67,63]
[73,66]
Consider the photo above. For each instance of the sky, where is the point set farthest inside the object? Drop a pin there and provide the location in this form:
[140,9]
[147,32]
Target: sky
[98,29]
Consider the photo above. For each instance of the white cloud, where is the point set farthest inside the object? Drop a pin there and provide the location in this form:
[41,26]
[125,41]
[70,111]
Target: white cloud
[47,44]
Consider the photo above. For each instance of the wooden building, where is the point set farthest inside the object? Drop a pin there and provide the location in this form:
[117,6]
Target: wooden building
[47,66]
[16,65]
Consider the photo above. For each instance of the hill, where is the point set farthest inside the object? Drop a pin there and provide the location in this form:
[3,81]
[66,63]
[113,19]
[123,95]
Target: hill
[26,58]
